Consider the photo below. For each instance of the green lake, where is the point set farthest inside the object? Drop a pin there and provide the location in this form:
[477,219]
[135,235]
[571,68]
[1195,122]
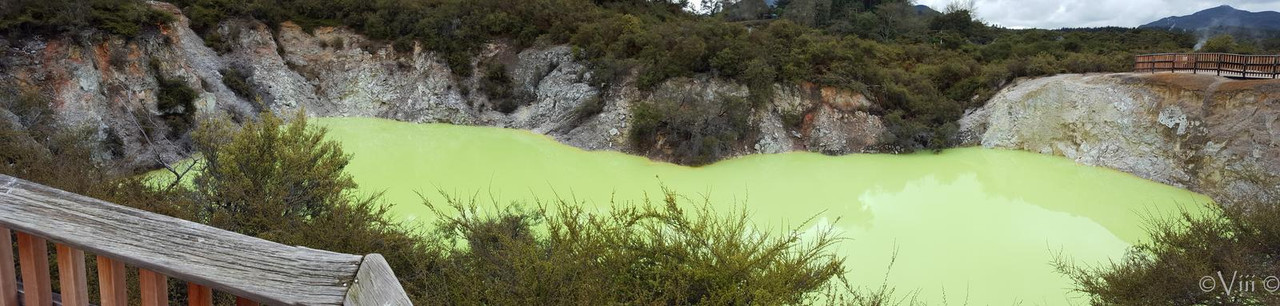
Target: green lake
[975,226]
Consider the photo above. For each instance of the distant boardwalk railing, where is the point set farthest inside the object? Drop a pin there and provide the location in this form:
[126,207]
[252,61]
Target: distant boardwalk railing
[254,270]
[1228,65]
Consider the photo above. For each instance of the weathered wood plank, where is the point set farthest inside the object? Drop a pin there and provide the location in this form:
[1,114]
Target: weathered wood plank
[258,269]
[245,302]
[72,276]
[33,257]
[8,278]
[111,282]
[198,295]
[376,284]
[154,287]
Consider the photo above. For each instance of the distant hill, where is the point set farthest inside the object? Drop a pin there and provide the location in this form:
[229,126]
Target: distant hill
[925,10]
[1220,17]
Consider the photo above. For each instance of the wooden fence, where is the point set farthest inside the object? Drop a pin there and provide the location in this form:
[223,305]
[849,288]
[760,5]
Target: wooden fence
[1228,65]
[254,270]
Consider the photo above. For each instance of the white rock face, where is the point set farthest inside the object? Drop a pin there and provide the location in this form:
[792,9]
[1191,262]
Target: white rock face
[1212,135]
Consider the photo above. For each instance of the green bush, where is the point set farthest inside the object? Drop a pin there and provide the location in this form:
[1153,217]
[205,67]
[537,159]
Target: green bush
[589,108]
[693,131]
[497,86]
[176,103]
[1182,253]
[675,252]
[238,82]
[1225,43]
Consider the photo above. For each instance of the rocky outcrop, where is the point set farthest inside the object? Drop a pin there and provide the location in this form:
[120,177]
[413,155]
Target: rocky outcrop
[1212,135]
[110,84]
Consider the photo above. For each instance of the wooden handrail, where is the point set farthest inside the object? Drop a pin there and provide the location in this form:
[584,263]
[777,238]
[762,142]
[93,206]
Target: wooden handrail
[160,246]
[1222,64]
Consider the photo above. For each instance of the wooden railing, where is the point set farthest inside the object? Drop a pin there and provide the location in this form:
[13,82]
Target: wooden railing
[207,258]
[1228,65]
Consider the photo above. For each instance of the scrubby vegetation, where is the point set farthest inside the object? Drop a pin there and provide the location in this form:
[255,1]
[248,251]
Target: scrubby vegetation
[675,252]
[44,17]
[1181,263]
[176,103]
[238,82]
[697,131]
[496,85]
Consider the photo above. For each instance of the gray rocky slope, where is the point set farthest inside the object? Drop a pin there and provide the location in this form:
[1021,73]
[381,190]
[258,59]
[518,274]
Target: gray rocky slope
[1212,135]
[110,85]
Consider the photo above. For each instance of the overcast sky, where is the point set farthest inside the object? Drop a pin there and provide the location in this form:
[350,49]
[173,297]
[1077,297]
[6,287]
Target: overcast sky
[1053,14]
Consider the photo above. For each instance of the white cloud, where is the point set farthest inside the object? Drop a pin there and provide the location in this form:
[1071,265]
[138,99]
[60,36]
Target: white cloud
[1053,14]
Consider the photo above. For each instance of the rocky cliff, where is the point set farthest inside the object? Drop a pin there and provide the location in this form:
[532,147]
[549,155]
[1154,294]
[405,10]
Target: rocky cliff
[1209,134]
[111,85]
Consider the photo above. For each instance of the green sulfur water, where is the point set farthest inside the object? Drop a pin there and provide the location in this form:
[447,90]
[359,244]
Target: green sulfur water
[969,226]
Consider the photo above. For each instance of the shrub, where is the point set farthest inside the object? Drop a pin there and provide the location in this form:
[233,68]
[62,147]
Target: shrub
[176,103]
[269,177]
[1182,253]
[674,252]
[238,82]
[589,108]
[497,86]
[1224,43]
[691,132]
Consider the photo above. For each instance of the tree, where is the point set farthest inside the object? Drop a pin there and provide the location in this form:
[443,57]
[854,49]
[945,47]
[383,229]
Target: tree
[1224,43]
[746,10]
[269,177]
[960,5]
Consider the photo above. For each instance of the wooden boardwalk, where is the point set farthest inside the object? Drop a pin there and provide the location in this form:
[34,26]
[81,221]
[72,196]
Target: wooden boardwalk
[254,270]
[1222,64]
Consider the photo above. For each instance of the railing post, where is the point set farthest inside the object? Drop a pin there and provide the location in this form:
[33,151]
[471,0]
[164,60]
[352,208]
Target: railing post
[71,274]
[376,284]
[1275,65]
[198,295]
[1248,61]
[245,302]
[33,256]
[8,280]
[154,287]
[111,282]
